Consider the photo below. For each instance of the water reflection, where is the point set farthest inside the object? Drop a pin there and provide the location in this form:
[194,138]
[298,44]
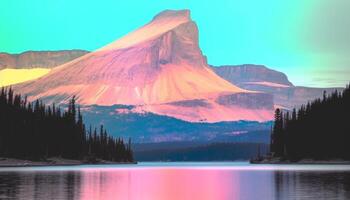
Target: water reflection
[40,185]
[312,185]
[159,184]
[174,183]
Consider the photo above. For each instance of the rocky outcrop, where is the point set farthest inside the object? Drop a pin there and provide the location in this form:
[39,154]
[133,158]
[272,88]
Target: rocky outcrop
[35,59]
[249,73]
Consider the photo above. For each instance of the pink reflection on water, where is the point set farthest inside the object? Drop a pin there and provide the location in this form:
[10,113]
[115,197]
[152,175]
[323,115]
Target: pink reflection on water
[159,184]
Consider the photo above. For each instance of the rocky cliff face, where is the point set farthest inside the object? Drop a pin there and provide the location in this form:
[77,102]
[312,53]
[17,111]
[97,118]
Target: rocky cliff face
[158,68]
[251,74]
[42,59]
[261,78]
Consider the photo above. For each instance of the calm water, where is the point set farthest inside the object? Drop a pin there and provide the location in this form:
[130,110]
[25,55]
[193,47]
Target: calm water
[177,181]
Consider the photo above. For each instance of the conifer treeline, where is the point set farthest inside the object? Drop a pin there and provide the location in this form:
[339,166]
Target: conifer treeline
[319,130]
[35,131]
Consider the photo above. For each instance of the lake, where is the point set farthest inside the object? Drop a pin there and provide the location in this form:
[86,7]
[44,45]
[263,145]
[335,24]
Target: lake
[177,181]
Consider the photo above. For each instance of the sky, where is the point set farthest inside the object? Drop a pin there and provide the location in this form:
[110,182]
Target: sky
[309,40]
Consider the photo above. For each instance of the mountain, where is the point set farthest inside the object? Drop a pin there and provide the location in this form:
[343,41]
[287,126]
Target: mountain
[38,59]
[150,127]
[30,65]
[158,68]
[250,74]
[263,79]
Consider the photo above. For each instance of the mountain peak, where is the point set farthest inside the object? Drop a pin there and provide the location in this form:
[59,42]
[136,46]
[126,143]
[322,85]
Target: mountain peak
[161,23]
[173,14]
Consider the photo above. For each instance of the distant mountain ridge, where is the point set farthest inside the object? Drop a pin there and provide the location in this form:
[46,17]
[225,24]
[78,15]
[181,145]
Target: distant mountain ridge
[250,74]
[261,78]
[38,59]
[150,127]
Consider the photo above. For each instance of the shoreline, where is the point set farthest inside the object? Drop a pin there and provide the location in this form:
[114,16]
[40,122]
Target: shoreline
[53,162]
[279,161]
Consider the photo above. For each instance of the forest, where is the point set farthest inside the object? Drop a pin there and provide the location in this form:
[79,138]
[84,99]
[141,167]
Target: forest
[319,130]
[218,151]
[32,130]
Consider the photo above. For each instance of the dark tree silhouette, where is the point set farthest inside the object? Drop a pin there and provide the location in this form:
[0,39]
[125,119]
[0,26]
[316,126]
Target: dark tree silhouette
[35,131]
[318,130]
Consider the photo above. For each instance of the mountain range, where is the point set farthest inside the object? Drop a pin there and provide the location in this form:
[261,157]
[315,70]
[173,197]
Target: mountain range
[154,84]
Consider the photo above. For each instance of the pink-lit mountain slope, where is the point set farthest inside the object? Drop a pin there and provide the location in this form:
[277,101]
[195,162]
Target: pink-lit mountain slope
[158,68]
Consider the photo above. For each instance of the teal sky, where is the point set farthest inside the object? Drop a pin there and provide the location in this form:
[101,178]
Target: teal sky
[309,40]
